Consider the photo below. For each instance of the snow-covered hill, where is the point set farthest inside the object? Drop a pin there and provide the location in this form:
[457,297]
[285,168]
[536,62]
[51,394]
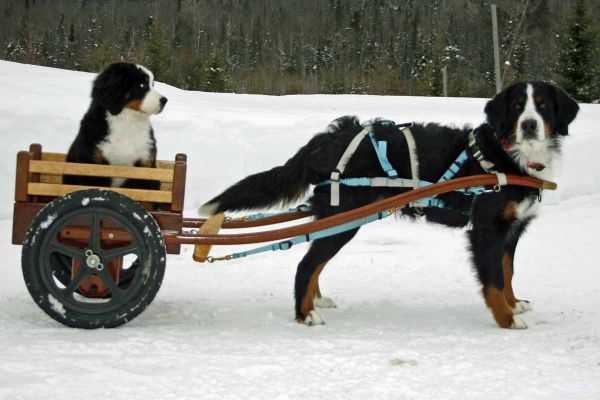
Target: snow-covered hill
[410,322]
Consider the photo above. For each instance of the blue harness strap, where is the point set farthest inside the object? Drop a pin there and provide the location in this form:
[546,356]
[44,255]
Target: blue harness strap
[287,244]
[381,151]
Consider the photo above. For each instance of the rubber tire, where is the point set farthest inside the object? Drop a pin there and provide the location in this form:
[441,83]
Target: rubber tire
[152,243]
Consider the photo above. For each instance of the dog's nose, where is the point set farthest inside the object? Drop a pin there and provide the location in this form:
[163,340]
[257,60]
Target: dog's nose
[163,102]
[529,127]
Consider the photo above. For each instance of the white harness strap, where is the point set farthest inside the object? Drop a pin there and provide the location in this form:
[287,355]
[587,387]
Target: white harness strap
[341,166]
[502,181]
[376,182]
[412,152]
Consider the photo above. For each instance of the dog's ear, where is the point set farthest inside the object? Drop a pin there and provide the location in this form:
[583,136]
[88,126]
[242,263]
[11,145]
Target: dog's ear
[496,110]
[566,110]
[110,88]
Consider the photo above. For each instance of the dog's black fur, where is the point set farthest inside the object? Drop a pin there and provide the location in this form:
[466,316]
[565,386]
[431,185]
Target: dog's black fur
[496,227]
[119,92]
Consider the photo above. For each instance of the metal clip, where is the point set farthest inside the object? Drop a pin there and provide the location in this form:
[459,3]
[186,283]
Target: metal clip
[495,189]
[211,259]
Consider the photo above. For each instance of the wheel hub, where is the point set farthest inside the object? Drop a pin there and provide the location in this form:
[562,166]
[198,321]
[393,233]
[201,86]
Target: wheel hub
[93,261]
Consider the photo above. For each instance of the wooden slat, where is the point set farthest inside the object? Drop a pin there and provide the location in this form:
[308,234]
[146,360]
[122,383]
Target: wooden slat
[109,171]
[48,156]
[54,156]
[47,189]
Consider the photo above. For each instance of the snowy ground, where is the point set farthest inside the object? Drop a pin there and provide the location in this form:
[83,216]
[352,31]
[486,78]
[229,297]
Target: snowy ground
[409,327]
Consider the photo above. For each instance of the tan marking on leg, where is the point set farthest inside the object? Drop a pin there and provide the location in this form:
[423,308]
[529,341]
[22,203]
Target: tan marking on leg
[507,269]
[134,105]
[495,300]
[510,211]
[318,290]
[307,302]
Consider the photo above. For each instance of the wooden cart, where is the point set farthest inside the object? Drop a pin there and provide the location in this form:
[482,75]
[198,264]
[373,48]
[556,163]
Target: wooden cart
[95,257]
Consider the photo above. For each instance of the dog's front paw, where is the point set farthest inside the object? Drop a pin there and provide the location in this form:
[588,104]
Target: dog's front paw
[324,302]
[522,306]
[517,323]
[314,318]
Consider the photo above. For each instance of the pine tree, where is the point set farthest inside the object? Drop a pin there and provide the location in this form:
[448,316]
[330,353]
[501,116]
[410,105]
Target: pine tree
[578,42]
[217,79]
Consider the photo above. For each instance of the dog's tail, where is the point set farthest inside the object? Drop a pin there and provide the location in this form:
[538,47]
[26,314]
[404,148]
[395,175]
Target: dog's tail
[280,185]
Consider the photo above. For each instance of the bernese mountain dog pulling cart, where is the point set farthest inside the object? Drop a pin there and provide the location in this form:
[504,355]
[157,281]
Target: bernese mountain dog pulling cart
[95,257]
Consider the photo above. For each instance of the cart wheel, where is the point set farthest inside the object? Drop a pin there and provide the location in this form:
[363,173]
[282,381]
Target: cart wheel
[93,258]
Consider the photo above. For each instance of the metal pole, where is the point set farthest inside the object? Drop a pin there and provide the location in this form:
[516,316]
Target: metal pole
[496,49]
[445,80]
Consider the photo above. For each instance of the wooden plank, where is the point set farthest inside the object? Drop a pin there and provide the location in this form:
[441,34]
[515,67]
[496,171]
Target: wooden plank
[169,221]
[179,174]
[165,164]
[23,214]
[49,156]
[210,227]
[110,171]
[47,189]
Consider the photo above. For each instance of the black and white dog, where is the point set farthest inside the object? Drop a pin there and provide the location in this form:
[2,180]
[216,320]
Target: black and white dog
[116,128]
[526,123]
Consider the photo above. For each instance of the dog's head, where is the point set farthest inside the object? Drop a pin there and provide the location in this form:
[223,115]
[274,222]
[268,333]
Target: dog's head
[529,119]
[125,85]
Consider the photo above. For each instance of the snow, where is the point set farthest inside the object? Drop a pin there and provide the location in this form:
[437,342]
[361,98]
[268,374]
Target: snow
[409,324]
[57,306]
[48,221]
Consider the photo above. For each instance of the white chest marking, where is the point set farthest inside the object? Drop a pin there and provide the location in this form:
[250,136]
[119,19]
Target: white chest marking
[128,140]
[527,208]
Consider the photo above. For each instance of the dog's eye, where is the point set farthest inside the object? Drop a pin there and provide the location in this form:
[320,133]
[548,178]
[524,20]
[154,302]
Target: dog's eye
[143,85]
[542,105]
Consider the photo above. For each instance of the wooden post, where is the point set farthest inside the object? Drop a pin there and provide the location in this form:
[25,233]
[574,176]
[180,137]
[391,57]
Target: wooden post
[496,49]
[36,154]
[179,172]
[445,80]
[22,178]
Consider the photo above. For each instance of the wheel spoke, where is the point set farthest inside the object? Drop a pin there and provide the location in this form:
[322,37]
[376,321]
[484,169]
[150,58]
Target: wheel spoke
[69,251]
[109,255]
[75,282]
[94,242]
[115,292]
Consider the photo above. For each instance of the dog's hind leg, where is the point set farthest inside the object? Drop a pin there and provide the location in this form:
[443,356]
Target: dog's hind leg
[508,258]
[307,275]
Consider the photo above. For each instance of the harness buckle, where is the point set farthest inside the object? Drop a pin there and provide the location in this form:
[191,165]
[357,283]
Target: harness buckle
[285,245]
[335,176]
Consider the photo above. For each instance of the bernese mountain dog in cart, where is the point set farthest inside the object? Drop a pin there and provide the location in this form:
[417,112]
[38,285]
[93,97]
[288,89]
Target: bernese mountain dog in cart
[116,128]
[525,125]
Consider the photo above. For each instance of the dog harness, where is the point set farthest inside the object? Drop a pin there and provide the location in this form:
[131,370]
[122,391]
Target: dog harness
[390,180]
